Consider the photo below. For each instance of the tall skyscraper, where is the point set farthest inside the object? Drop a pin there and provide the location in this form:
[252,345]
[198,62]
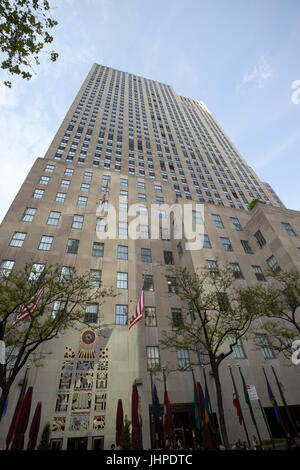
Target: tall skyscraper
[143,144]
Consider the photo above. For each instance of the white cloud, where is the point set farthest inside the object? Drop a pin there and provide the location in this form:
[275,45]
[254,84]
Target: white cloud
[259,75]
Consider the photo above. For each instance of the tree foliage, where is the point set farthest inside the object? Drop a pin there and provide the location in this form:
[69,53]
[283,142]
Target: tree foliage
[277,303]
[22,340]
[45,438]
[213,311]
[24,32]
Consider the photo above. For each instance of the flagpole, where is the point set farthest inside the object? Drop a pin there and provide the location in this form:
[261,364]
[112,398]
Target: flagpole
[280,420]
[238,401]
[284,402]
[13,421]
[212,420]
[153,427]
[198,404]
[266,423]
[247,399]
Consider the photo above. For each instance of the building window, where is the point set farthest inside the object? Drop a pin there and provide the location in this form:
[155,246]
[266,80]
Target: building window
[146,255]
[177,320]
[259,273]
[66,274]
[82,201]
[6,267]
[53,218]
[122,252]
[85,187]
[198,217]
[238,351]
[159,200]
[141,185]
[236,223]
[121,315]
[77,221]
[100,224]
[183,359]
[273,264]
[142,197]
[266,349]
[213,267]
[223,302]
[205,240]
[148,282]
[36,271]
[46,243]
[29,214]
[122,280]
[91,313]
[58,308]
[236,270]
[123,193]
[260,238]
[226,244]
[124,182]
[247,247]
[60,197]
[98,249]
[65,184]
[44,180]
[123,229]
[72,246]
[217,220]
[172,285]
[123,207]
[150,316]
[157,188]
[144,231]
[88,175]
[289,229]
[95,277]
[153,358]
[168,257]
[38,193]
[49,168]
[18,239]
[69,172]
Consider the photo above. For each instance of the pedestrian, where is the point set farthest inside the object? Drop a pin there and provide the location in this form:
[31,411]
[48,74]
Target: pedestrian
[179,445]
[113,447]
[255,444]
[298,427]
[291,443]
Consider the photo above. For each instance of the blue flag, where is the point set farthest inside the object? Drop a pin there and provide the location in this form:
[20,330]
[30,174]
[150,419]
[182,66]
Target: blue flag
[157,413]
[273,402]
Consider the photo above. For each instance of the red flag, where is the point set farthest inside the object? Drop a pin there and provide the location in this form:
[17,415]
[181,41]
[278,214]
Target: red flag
[14,421]
[237,405]
[29,308]
[138,314]
[135,420]
[169,428]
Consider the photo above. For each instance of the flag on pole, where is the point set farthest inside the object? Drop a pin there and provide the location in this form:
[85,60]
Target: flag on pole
[28,309]
[206,404]
[273,401]
[16,415]
[169,428]
[197,407]
[157,413]
[103,198]
[237,405]
[139,311]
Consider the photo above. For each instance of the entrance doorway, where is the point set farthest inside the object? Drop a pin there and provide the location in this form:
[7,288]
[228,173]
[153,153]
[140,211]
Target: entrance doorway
[77,443]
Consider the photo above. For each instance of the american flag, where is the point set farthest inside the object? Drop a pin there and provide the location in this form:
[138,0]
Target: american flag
[138,314]
[29,308]
[103,198]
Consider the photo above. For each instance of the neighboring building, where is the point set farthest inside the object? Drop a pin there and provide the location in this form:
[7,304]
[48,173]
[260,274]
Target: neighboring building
[273,194]
[151,146]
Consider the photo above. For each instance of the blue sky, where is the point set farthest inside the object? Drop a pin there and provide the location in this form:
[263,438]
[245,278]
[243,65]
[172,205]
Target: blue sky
[239,57]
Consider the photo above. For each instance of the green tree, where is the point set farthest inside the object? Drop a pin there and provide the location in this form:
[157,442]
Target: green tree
[278,303]
[45,438]
[24,32]
[61,306]
[125,443]
[214,318]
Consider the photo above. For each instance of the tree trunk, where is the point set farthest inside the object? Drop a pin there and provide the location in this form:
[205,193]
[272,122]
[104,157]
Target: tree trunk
[3,398]
[223,429]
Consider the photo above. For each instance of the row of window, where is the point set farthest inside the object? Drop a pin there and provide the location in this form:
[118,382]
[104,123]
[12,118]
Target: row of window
[183,356]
